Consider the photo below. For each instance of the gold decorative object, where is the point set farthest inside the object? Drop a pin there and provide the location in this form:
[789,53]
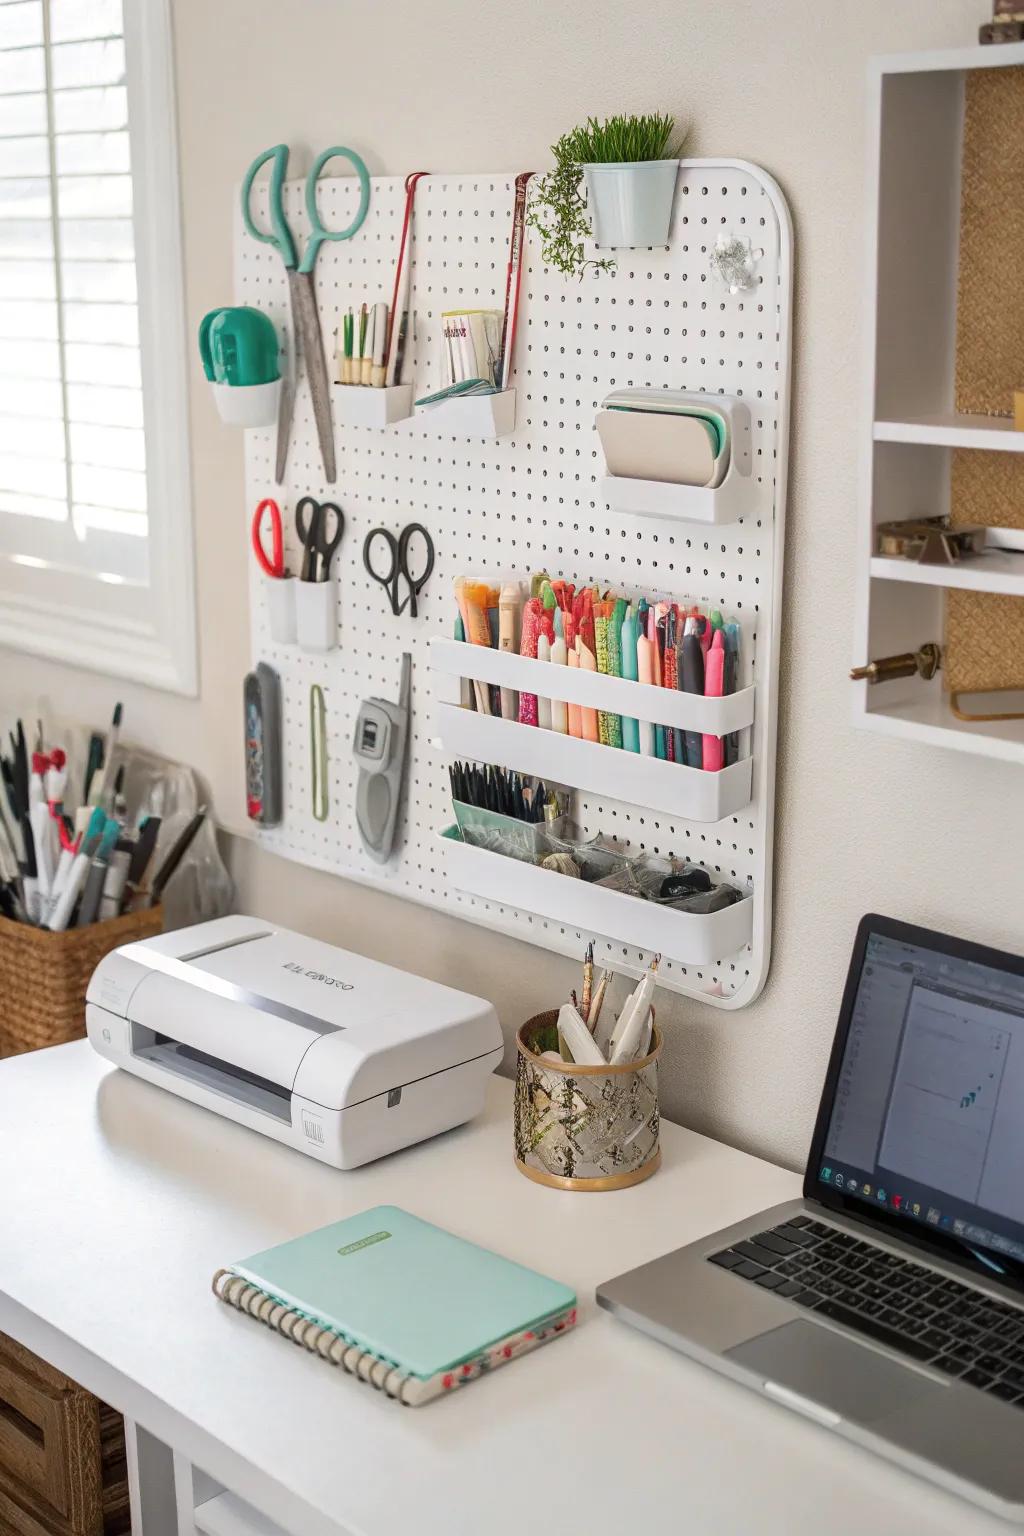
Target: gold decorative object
[582,1127]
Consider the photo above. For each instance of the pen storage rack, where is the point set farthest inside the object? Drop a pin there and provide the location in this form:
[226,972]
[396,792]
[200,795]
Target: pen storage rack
[627,776]
[584,1128]
[517,488]
[44,976]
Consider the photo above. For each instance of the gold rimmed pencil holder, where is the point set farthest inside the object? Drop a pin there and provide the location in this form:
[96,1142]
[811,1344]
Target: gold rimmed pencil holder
[581,1127]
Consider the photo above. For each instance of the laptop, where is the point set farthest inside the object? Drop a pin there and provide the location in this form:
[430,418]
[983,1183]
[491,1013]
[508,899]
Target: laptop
[888,1303]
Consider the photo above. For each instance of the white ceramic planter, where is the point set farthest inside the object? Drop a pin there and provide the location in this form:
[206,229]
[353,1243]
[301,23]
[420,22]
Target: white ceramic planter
[631,204]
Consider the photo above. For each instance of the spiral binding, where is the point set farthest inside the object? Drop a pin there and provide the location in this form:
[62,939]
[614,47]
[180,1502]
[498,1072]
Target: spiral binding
[412,1391]
[319,1341]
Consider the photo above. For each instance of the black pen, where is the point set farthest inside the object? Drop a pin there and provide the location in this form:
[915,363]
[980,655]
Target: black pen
[169,866]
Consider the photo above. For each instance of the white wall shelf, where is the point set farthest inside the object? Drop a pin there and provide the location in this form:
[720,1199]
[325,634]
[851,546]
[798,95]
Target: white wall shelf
[951,429]
[995,571]
[916,111]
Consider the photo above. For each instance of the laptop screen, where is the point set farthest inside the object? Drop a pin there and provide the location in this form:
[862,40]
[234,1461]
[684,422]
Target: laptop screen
[927,1121]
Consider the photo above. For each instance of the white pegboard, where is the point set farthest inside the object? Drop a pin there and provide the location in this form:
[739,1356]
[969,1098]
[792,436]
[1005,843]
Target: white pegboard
[532,501]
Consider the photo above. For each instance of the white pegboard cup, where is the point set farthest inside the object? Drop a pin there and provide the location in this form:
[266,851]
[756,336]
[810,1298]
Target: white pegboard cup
[734,498]
[359,405]
[454,659]
[279,592]
[248,405]
[691,938]
[472,415]
[316,615]
[626,776]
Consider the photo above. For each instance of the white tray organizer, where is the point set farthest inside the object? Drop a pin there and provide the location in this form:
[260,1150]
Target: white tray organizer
[694,503]
[512,482]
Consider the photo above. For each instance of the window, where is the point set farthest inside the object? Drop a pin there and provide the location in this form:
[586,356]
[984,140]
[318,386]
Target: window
[95,519]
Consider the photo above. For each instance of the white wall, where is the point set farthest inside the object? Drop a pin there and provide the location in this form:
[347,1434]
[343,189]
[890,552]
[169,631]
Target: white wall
[472,84]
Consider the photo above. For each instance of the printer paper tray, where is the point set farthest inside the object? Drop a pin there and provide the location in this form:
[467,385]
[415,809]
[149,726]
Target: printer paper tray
[209,1072]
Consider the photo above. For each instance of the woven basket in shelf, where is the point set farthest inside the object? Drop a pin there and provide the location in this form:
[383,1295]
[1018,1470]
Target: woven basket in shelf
[44,976]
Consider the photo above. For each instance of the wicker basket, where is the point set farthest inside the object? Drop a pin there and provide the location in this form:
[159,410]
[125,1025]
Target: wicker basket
[44,976]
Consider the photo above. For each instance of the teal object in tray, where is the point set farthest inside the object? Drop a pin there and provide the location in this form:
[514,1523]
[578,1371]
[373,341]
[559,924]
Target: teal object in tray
[238,346]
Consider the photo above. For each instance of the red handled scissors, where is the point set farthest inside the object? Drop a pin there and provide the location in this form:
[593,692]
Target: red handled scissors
[272,564]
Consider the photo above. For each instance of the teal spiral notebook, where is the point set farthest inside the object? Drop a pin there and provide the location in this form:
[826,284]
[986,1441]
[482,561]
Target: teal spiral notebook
[402,1304]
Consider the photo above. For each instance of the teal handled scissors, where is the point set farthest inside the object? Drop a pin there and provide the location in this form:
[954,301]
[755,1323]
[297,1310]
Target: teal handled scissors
[305,321]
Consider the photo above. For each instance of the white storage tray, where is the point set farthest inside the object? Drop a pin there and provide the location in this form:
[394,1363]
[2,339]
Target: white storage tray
[627,776]
[472,415]
[360,405]
[595,690]
[681,503]
[689,937]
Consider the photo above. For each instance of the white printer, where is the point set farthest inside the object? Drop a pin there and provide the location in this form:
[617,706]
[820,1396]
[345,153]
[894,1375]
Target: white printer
[334,1054]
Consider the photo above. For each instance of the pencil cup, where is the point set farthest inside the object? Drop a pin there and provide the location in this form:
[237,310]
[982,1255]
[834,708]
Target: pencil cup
[584,1128]
[280,591]
[316,615]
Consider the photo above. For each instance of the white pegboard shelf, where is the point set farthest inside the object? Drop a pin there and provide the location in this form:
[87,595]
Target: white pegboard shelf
[689,793]
[472,415]
[531,499]
[724,503]
[360,405]
[696,939]
[642,701]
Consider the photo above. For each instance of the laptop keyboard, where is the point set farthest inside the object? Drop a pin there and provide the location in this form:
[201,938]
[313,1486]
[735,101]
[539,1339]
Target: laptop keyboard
[934,1320]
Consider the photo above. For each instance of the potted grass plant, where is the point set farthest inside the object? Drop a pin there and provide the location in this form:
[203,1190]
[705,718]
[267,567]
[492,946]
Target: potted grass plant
[628,166]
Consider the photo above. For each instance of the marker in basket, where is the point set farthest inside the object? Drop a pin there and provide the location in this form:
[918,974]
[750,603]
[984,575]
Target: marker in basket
[510,601]
[714,687]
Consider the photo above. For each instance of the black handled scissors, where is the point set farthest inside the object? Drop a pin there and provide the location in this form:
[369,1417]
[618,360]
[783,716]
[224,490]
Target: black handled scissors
[399,566]
[317,548]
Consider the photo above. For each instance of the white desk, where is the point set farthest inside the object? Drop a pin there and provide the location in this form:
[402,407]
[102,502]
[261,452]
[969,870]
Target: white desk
[118,1202]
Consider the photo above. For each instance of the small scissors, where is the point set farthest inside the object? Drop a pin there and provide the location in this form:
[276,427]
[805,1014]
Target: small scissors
[272,564]
[313,537]
[399,566]
[305,320]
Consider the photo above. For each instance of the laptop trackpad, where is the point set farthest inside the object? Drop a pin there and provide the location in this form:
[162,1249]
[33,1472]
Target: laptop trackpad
[856,1382]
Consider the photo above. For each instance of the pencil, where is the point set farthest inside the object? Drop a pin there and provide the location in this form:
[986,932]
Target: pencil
[588,980]
[595,1007]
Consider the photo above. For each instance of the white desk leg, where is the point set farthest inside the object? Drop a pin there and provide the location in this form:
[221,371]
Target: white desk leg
[150,1484]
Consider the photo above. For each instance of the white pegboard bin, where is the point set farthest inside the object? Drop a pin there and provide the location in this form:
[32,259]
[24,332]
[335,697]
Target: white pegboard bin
[360,405]
[595,690]
[472,415]
[693,938]
[725,503]
[532,500]
[625,776]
